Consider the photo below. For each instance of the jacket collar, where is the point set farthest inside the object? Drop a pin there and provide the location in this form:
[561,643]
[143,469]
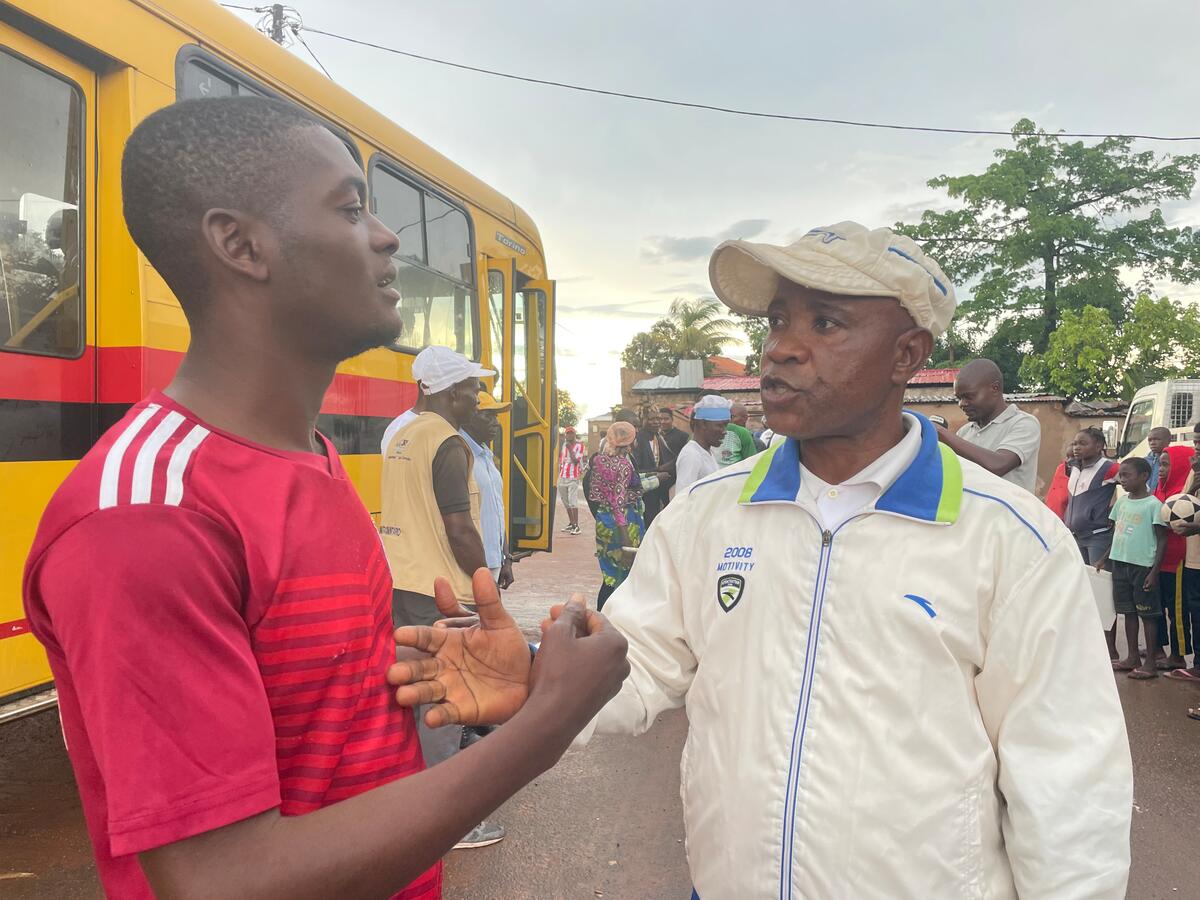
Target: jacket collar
[929,490]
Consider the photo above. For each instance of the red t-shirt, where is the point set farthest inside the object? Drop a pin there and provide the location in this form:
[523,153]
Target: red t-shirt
[218,620]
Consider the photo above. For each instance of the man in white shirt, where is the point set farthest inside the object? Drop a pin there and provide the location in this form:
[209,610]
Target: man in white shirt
[762,595]
[997,436]
[985,756]
[698,459]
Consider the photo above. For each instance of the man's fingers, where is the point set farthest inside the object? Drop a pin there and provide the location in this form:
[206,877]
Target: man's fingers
[411,671]
[421,693]
[572,619]
[447,603]
[442,714]
[492,613]
[422,637]
[460,622]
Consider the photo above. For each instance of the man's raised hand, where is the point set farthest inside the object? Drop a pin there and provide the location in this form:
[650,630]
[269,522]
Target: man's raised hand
[478,675]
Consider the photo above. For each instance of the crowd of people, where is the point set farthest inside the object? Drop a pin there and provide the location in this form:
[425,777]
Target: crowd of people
[642,462]
[245,719]
[1154,562]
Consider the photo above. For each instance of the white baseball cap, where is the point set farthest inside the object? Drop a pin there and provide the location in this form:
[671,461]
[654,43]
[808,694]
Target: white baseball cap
[846,258]
[438,368]
[711,408]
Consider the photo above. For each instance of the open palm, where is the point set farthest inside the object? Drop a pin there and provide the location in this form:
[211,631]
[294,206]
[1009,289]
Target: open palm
[478,675]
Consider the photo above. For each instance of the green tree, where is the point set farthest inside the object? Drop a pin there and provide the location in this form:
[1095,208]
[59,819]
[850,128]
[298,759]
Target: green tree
[702,330]
[1092,356]
[692,329]
[755,328]
[1050,227]
[568,412]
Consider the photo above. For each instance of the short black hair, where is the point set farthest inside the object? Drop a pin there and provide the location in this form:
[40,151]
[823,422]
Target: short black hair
[1138,464]
[1095,434]
[197,155]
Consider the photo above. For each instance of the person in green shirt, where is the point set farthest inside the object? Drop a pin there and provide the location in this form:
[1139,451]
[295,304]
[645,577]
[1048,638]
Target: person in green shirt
[739,443]
[1139,539]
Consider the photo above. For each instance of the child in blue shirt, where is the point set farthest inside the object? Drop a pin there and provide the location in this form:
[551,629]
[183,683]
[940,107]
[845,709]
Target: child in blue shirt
[1139,539]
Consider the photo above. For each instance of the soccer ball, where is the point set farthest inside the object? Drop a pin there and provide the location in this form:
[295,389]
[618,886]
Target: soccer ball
[1183,508]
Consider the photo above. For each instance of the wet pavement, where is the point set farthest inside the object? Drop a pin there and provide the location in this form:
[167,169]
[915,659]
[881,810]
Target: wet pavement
[606,821]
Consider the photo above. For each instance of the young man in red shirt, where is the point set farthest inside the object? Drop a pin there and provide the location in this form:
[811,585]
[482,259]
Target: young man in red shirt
[211,591]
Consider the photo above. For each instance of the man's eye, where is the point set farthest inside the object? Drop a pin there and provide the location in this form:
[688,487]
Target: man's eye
[775,321]
[822,323]
[354,212]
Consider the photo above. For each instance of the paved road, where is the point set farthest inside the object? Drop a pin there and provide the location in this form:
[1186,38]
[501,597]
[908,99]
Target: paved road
[605,822]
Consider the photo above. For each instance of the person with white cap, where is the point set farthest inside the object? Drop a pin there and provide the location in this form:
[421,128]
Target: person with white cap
[698,458]
[480,431]
[430,517]
[895,680]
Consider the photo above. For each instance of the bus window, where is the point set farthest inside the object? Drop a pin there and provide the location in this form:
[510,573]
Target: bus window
[449,239]
[496,322]
[41,163]
[437,298]
[201,81]
[1137,426]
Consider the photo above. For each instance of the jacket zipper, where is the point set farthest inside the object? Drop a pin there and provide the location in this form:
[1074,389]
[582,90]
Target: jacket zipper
[797,749]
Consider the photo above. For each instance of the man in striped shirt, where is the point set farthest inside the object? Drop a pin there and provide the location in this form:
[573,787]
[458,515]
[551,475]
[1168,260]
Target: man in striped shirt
[211,592]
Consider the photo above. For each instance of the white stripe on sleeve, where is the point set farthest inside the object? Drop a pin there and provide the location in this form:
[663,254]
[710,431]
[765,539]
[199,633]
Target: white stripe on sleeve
[179,460]
[111,474]
[143,466]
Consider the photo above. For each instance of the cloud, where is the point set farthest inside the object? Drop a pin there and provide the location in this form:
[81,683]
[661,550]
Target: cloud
[662,248]
[690,287]
[746,228]
[666,248]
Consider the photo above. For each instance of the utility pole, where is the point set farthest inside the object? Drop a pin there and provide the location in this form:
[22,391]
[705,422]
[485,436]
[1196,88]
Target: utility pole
[277,23]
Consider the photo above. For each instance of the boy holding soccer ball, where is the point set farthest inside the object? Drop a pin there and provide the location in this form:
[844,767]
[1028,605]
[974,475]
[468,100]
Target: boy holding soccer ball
[1139,539]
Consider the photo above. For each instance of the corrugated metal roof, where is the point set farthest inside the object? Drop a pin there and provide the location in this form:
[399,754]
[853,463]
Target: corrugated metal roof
[732,383]
[934,376]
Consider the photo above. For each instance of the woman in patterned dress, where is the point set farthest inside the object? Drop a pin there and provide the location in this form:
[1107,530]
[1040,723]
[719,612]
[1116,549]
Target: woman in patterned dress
[615,492]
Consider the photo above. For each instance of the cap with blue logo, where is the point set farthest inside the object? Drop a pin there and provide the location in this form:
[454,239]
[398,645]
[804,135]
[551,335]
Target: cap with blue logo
[846,258]
[711,408]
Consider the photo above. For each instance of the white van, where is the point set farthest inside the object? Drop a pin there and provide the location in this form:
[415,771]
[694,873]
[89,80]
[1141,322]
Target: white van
[1173,404]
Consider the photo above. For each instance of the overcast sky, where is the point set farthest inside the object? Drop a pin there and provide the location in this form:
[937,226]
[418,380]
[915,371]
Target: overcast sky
[631,197]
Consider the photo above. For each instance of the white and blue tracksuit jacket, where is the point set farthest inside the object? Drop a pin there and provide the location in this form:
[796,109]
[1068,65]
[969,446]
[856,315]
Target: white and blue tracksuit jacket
[918,704]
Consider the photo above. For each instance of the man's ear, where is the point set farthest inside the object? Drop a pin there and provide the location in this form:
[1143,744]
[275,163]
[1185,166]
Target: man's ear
[912,350]
[234,239]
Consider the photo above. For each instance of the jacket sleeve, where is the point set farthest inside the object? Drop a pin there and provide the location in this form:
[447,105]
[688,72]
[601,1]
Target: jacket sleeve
[647,608]
[1052,712]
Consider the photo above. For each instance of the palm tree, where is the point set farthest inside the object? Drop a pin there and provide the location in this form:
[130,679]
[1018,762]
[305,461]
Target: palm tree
[703,330]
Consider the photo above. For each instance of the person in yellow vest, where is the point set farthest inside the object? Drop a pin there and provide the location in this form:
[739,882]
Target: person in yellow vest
[429,520]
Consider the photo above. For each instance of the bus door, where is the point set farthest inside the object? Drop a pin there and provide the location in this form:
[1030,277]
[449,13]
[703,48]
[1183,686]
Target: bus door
[47,318]
[523,349]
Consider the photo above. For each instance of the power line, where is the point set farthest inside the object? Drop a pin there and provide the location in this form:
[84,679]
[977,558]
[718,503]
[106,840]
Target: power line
[301,39]
[816,120]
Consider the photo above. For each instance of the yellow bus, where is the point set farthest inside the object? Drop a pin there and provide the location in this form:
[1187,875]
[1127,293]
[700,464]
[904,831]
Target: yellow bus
[87,327]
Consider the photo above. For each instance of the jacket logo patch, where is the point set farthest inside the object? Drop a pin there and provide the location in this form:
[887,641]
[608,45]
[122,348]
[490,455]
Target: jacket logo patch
[729,590]
[923,603]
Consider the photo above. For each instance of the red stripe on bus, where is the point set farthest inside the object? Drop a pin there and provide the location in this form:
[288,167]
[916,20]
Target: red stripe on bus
[27,377]
[12,629]
[127,374]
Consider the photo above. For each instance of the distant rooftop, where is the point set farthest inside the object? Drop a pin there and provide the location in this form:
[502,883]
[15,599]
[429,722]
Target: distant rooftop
[933,377]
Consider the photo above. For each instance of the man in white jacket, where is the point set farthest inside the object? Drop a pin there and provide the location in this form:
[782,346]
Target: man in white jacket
[895,676]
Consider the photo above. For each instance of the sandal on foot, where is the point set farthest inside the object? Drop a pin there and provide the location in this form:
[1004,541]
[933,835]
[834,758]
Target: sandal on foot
[1184,675]
[1142,675]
